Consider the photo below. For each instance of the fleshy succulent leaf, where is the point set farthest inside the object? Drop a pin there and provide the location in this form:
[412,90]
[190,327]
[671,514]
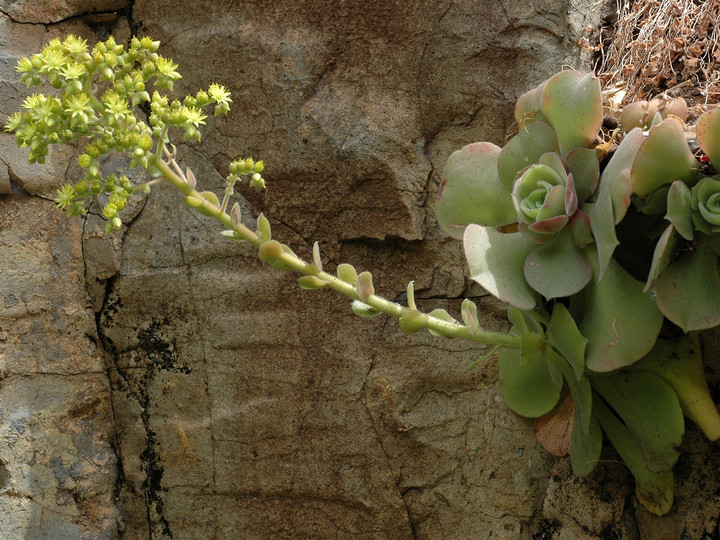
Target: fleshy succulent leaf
[642,113]
[496,263]
[361,309]
[528,105]
[571,198]
[579,388]
[662,158]
[555,162]
[679,362]
[584,166]
[635,116]
[579,224]
[650,409]
[572,104]
[621,323]
[662,256]
[616,176]
[688,291]
[655,490]
[603,229]
[565,336]
[524,149]
[527,389]
[529,342]
[557,268]
[472,191]
[679,209]
[585,447]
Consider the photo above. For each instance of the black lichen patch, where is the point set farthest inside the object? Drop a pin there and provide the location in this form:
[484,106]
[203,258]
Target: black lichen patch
[547,529]
[153,468]
[160,353]
[156,353]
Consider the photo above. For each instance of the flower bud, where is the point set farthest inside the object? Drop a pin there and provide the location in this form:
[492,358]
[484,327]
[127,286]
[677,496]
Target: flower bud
[110,210]
[202,98]
[145,142]
[82,188]
[257,181]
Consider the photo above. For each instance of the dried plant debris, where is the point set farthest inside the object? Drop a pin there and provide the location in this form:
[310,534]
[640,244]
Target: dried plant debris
[648,47]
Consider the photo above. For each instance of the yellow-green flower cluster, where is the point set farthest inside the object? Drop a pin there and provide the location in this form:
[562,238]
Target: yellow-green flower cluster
[100,92]
[247,166]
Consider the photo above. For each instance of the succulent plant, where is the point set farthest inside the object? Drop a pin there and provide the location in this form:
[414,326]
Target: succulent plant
[611,241]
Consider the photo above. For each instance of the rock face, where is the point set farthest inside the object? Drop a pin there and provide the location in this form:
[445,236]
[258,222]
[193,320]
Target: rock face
[163,383]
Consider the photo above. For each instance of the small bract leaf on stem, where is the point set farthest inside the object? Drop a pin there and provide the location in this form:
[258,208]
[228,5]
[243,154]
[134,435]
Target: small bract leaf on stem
[364,286]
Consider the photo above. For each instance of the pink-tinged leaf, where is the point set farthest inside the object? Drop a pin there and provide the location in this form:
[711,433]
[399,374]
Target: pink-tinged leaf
[635,115]
[555,162]
[554,204]
[571,199]
[707,131]
[472,191]
[579,224]
[550,225]
[572,104]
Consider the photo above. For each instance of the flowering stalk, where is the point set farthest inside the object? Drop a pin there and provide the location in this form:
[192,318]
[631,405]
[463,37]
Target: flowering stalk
[284,257]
